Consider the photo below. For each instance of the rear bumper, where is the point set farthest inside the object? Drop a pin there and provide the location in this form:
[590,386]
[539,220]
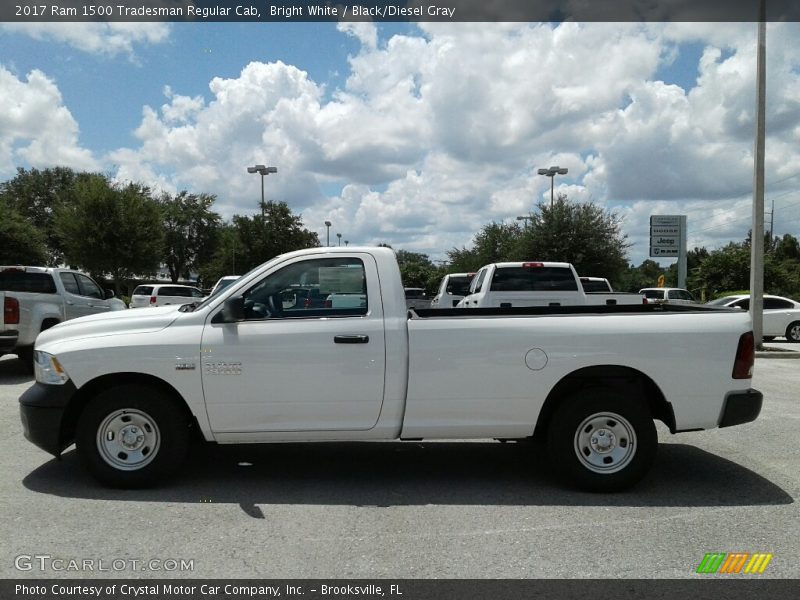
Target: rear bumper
[42,409]
[8,341]
[741,407]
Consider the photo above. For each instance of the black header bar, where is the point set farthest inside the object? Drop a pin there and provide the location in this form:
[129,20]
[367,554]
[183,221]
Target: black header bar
[31,11]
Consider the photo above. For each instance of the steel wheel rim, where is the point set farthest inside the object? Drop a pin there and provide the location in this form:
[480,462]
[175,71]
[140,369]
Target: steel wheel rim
[794,333]
[128,439]
[605,442]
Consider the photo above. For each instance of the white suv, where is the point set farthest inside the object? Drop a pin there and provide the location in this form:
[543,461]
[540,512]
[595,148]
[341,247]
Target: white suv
[164,294]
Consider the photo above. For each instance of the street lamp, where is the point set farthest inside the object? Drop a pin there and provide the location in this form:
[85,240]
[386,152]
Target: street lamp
[328,232]
[339,235]
[551,173]
[262,170]
[526,219]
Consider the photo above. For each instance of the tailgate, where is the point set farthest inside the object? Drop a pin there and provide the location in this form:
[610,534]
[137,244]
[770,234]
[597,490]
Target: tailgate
[519,299]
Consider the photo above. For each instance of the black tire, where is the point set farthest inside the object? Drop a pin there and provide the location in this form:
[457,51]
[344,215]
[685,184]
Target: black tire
[793,332]
[25,355]
[146,436]
[601,440]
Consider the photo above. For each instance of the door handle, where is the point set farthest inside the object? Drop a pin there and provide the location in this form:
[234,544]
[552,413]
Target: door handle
[351,339]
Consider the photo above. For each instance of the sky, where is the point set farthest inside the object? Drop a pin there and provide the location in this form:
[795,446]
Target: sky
[416,135]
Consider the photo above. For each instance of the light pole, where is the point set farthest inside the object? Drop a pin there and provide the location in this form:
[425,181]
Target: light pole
[526,219]
[328,233]
[262,170]
[551,173]
[339,235]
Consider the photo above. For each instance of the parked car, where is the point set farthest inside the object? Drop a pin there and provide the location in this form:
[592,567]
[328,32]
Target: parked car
[587,380]
[223,282]
[514,284]
[164,294]
[453,288]
[37,298]
[781,315]
[665,294]
[416,298]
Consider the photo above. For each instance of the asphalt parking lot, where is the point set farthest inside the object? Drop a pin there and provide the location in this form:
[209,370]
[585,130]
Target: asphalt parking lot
[412,510]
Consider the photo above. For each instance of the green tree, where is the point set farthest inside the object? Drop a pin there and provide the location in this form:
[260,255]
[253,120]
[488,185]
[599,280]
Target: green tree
[37,195]
[645,275]
[416,269]
[21,243]
[110,229]
[255,239]
[495,242]
[583,234]
[191,231]
[223,261]
[728,270]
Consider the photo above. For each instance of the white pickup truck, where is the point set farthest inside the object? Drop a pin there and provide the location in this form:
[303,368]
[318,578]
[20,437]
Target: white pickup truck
[518,284]
[37,298]
[131,388]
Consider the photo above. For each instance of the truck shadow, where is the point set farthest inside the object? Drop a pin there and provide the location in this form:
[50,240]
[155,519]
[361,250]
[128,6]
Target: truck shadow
[12,371]
[414,473]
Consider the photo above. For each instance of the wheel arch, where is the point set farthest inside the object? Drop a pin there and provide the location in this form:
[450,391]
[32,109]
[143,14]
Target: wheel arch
[608,376]
[89,390]
[48,323]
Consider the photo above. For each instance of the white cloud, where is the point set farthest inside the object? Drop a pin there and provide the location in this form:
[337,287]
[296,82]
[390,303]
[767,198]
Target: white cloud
[109,39]
[35,127]
[437,133]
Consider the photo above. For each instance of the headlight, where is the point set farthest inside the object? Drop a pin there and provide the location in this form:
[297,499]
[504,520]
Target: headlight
[48,369]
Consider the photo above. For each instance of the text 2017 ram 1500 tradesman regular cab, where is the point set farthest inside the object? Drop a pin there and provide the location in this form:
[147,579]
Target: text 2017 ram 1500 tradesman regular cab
[250,365]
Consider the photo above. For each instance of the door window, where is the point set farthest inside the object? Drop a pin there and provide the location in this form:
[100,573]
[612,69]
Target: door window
[310,288]
[88,287]
[777,304]
[70,283]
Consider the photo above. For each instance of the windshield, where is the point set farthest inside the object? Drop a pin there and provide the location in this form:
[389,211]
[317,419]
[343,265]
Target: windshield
[222,287]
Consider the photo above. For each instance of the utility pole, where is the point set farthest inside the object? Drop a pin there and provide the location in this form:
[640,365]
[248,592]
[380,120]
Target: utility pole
[757,241]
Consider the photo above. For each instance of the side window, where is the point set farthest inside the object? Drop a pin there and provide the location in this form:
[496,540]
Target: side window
[311,288]
[744,303]
[776,304]
[174,291]
[89,287]
[70,283]
[196,293]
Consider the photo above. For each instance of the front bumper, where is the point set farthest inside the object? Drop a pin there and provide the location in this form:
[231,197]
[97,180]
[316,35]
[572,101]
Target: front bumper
[42,409]
[741,407]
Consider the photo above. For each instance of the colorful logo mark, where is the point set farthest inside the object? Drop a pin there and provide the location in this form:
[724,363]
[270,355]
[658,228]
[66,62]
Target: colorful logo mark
[734,562]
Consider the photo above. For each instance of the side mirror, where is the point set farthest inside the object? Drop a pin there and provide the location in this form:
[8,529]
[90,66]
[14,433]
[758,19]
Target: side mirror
[233,309]
[109,294]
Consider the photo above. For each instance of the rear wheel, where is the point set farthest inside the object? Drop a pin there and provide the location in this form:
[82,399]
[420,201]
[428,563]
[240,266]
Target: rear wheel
[793,332]
[132,436]
[601,440]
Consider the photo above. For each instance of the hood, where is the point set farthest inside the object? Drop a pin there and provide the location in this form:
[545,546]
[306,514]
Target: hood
[134,320]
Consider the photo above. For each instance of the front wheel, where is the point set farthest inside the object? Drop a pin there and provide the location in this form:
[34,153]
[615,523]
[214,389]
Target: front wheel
[132,436]
[601,440]
[793,332]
